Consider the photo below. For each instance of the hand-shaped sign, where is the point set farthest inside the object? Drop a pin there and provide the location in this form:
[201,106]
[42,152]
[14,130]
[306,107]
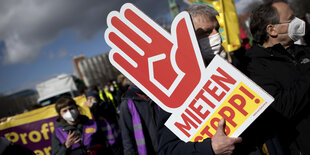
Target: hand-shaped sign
[168,67]
[170,70]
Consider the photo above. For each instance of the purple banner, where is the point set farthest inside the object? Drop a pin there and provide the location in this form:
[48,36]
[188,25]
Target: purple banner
[36,136]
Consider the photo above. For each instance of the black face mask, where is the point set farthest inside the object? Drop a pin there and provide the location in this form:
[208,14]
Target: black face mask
[210,46]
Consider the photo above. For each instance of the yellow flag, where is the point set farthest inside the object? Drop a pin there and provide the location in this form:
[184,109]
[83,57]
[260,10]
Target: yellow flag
[228,20]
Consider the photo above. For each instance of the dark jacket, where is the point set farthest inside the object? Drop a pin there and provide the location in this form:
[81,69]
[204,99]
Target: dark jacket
[147,110]
[60,149]
[105,110]
[105,115]
[284,74]
[169,143]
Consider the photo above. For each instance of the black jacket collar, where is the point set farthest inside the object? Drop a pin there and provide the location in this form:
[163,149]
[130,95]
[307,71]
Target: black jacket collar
[257,51]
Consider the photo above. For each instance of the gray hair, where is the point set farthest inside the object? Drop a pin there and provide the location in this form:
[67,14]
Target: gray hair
[203,10]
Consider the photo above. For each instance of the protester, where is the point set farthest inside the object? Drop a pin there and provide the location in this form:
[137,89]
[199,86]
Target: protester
[282,69]
[100,108]
[102,94]
[106,117]
[107,96]
[113,88]
[138,122]
[123,83]
[210,40]
[75,133]
[206,28]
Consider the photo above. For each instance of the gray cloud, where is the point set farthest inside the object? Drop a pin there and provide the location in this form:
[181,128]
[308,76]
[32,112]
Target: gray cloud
[26,26]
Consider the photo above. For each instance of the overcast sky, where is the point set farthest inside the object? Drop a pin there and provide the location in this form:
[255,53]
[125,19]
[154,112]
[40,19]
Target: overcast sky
[28,25]
[39,38]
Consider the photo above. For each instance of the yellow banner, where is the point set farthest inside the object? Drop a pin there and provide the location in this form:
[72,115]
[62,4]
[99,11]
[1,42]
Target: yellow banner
[41,114]
[228,20]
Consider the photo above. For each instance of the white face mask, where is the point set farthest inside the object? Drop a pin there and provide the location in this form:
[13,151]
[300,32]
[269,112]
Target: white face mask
[70,115]
[94,101]
[210,46]
[296,29]
[111,88]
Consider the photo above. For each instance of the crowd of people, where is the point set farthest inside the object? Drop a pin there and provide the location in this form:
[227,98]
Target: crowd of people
[126,121]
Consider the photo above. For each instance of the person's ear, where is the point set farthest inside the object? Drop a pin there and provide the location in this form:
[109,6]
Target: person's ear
[271,30]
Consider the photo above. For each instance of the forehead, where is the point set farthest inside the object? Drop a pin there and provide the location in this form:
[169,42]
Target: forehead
[91,97]
[203,22]
[67,107]
[284,11]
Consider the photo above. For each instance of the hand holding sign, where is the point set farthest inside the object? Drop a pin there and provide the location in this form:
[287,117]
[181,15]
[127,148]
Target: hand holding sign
[157,62]
[221,144]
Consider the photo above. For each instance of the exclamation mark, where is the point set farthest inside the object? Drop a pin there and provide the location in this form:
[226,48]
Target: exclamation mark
[250,95]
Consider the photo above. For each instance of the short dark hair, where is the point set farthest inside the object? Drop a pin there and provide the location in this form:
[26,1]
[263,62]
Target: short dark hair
[63,102]
[260,17]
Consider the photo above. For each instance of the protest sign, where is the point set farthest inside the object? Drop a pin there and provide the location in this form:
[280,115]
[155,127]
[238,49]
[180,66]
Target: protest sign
[33,130]
[226,94]
[228,20]
[169,69]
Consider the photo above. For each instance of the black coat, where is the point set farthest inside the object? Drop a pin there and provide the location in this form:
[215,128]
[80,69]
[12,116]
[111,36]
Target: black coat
[148,113]
[169,143]
[285,74]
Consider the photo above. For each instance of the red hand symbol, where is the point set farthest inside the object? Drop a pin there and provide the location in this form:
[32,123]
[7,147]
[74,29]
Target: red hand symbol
[167,67]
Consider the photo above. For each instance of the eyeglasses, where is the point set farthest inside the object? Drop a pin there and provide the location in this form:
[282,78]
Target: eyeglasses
[291,19]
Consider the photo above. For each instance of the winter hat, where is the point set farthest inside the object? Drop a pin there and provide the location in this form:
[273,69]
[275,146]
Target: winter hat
[93,94]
